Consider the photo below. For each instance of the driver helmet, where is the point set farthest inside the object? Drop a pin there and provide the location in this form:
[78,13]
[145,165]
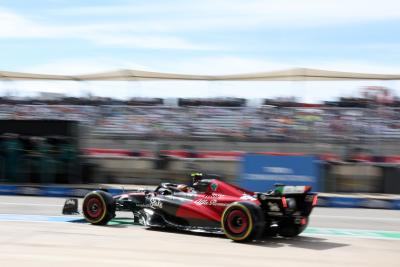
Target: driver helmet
[196,177]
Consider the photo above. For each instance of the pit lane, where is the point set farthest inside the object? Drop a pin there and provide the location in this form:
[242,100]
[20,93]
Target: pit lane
[337,237]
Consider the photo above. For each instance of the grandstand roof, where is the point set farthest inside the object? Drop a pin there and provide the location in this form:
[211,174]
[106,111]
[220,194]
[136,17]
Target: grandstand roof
[297,74]
[11,75]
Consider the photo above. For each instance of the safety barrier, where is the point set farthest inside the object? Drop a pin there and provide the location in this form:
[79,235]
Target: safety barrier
[391,159]
[348,201]
[331,177]
[52,191]
[324,200]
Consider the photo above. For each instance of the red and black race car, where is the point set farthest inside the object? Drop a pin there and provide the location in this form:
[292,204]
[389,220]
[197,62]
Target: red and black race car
[209,205]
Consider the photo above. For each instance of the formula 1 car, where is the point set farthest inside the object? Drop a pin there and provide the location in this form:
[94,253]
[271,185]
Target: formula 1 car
[210,205]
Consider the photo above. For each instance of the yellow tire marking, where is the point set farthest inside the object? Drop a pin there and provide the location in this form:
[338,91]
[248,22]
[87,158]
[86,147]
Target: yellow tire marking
[104,209]
[250,228]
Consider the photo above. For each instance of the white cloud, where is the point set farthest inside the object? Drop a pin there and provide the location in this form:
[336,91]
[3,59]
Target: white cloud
[123,22]
[14,25]
[162,26]
[217,14]
[146,41]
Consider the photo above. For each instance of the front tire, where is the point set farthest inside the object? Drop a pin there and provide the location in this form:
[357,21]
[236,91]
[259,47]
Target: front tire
[98,207]
[243,221]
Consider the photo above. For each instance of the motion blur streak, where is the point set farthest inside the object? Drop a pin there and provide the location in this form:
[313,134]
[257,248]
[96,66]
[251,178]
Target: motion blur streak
[328,241]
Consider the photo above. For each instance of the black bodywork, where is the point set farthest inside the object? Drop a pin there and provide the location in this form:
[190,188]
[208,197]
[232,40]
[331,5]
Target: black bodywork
[283,210]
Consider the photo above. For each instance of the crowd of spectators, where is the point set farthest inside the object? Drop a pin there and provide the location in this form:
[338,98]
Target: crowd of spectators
[224,118]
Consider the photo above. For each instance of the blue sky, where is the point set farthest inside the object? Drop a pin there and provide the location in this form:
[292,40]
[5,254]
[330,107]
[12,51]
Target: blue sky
[201,37]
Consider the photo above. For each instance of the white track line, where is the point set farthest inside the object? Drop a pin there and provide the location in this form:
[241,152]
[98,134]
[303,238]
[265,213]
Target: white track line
[29,204]
[35,215]
[354,218]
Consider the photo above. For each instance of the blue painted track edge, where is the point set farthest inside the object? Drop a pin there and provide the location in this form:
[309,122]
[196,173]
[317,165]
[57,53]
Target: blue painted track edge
[324,201]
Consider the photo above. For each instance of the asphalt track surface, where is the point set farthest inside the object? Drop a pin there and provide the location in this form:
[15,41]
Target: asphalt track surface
[33,233]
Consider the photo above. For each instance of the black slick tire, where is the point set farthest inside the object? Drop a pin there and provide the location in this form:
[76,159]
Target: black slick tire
[98,207]
[243,221]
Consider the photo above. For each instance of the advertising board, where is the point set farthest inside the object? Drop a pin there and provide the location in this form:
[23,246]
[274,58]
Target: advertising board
[261,172]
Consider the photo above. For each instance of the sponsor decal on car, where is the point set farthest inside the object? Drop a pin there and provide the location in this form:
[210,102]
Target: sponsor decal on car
[156,203]
[214,186]
[247,197]
[176,198]
[214,195]
[209,202]
[293,189]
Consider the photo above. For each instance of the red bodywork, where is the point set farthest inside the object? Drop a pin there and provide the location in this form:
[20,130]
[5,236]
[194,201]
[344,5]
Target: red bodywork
[211,204]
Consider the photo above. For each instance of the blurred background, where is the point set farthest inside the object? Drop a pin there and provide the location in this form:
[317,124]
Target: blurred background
[125,94]
[70,130]
[54,138]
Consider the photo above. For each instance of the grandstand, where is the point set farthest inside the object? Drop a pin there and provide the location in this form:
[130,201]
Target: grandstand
[372,119]
[213,119]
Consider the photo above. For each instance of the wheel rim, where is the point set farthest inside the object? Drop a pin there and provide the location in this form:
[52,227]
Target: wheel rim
[237,221]
[94,207]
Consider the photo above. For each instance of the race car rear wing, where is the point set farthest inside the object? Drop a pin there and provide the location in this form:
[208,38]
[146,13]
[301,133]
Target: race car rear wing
[291,189]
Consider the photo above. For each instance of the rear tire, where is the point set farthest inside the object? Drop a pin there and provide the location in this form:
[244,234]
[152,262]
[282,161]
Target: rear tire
[290,229]
[243,221]
[98,207]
